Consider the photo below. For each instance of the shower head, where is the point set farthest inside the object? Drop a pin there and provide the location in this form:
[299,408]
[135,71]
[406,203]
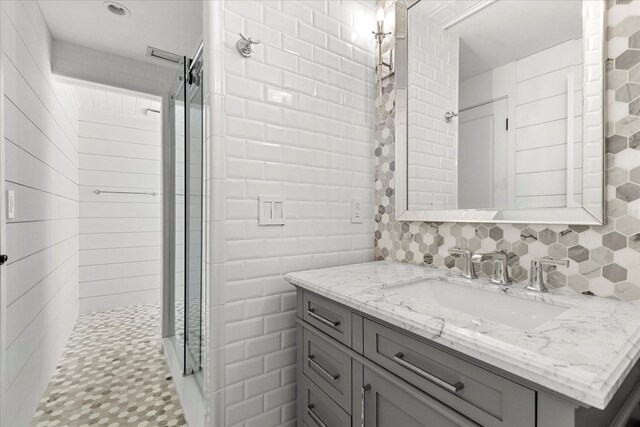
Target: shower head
[163,55]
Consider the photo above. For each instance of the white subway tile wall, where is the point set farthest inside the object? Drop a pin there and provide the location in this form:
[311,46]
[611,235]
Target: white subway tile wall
[120,233]
[41,148]
[433,88]
[295,120]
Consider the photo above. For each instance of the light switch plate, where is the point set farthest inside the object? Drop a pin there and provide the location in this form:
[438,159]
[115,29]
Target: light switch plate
[11,204]
[271,210]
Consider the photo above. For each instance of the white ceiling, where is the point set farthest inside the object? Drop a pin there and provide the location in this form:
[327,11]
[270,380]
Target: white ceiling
[171,25]
[117,101]
[505,30]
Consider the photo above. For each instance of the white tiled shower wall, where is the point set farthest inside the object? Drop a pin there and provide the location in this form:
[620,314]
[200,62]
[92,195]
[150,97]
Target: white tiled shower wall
[294,120]
[41,148]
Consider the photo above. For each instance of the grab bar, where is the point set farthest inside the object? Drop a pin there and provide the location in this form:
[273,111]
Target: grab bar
[98,191]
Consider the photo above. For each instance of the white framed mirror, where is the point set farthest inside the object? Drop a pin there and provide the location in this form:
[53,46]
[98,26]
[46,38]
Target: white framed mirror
[500,111]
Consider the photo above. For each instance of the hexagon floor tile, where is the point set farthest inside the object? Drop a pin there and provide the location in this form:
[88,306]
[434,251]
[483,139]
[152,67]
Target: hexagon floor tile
[113,374]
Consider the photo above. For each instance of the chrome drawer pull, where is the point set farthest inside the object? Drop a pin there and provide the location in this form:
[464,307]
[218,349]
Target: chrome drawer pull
[363,390]
[316,419]
[399,358]
[312,313]
[328,374]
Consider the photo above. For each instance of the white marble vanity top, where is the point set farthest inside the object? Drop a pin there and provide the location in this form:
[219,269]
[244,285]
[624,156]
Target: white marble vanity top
[583,353]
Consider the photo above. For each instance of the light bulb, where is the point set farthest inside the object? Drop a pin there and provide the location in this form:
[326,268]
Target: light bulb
[380,19]
[380,15]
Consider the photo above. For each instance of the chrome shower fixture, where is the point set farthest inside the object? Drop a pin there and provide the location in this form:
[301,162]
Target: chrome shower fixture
[163,55]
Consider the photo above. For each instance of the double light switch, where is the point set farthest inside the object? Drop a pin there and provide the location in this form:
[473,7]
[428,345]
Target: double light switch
[271,210]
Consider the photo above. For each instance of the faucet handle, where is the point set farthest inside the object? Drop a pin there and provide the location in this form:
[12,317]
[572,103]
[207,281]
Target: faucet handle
[468,271]
[550,261]
[500,275]
[460,252]
[536,279]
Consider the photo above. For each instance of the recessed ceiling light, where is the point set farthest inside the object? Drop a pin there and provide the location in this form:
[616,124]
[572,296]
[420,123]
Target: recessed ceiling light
[117,8]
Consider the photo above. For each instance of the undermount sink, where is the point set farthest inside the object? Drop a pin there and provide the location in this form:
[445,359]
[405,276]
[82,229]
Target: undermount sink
[520,313]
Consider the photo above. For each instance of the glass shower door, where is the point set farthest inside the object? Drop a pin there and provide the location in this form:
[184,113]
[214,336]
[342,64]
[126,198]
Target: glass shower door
[194,215]
[187,141]
[178,113]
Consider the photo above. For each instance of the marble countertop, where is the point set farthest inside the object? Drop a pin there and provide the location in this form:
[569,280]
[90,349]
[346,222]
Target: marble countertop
[583,353]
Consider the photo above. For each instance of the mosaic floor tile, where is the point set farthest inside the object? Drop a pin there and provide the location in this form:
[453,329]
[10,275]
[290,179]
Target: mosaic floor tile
[113,373]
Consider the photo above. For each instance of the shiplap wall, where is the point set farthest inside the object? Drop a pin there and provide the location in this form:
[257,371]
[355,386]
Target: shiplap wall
[120,234]
[536,88]
[541,126]
[41,143]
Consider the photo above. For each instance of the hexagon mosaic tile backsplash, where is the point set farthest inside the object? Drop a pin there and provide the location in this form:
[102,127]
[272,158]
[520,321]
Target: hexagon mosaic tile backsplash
[605,260]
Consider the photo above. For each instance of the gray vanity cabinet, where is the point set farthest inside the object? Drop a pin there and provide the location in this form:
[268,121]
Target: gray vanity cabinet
[355,370]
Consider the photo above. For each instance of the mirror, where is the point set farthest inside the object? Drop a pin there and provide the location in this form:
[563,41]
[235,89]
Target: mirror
[499,111]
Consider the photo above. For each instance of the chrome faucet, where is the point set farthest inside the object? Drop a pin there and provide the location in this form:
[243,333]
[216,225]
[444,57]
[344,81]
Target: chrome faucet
[536,280]
[500,274]
[468,271]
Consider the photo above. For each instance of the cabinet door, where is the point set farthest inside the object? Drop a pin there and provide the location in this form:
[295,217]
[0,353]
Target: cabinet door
[388,404]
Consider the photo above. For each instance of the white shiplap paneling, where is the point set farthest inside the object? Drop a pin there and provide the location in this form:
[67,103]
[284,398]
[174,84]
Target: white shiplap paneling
[541,126]
[120,234]
[41,142]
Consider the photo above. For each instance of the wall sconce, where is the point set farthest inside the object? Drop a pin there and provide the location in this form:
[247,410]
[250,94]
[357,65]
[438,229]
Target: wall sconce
[380,35]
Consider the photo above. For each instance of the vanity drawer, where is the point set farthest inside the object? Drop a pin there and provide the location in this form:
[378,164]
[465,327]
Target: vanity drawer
[317,409]
[482,396]
[331,318]
[327,366]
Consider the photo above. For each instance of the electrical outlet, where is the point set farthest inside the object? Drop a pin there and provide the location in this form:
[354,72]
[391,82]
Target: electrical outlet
[356,211]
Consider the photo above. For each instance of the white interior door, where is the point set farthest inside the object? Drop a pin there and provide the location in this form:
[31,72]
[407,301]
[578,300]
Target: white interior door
[482,156]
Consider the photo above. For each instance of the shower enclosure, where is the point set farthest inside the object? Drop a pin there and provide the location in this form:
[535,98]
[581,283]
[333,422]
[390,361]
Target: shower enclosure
[186,215]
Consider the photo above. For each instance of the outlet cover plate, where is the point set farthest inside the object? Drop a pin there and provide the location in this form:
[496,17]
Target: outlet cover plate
[356,211]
